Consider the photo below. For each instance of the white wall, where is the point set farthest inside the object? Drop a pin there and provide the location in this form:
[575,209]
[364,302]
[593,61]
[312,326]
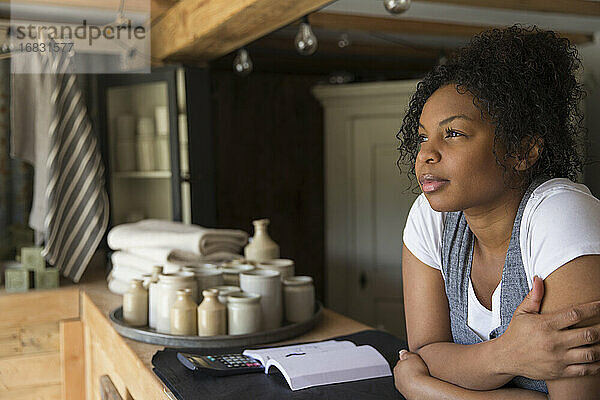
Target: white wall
[590,54]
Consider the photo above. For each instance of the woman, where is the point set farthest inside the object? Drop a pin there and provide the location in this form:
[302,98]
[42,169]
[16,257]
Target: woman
[502,243]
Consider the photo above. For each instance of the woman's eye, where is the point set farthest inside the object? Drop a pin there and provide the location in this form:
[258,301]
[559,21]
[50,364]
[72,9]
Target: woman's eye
[422,138]
[452,133]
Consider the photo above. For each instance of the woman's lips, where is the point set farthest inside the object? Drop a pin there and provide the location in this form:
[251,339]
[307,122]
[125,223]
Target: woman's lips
[431,184]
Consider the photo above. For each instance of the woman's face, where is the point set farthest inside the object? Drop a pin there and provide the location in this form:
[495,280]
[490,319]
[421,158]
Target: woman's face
[455,166]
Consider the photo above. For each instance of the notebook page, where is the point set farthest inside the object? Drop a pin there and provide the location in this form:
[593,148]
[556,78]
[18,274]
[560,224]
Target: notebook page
[264,355]
[323,368]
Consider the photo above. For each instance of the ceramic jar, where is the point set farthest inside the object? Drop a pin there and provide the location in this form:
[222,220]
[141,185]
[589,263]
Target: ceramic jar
[135,304]
[243,313]
[152,295]
[284,266]
[168,284]
[212,315]
[261,247]
[299,298]
[183,314]
[231,273]
[206,278]
[268,285]
[224,291]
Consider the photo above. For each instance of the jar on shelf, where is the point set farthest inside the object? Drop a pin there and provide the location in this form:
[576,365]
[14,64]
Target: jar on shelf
[261,247]
[183,314]
[212,315]
[135,304]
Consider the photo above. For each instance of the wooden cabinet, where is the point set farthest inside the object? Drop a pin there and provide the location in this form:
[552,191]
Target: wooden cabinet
[41,356]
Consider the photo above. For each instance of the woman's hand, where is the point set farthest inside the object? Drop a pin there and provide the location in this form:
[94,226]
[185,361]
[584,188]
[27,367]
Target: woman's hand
[541,347]
[408,372]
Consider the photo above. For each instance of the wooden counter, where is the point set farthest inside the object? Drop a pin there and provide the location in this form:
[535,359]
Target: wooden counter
[87,345]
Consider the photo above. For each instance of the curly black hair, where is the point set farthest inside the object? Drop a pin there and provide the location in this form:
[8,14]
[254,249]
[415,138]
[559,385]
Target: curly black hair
[523,80]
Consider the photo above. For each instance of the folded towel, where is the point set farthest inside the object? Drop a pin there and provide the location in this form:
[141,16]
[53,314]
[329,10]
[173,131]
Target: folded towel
[125,274]
[141,264]
[176,235]
[180,258]
[117,286]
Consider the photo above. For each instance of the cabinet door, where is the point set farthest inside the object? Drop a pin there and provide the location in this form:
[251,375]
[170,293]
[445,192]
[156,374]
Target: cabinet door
[143,173]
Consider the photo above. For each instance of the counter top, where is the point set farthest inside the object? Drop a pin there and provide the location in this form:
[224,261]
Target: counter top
[330,325]
[126,354]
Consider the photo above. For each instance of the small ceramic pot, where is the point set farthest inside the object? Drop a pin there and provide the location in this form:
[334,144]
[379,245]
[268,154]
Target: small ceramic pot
[183,314]
[268,285]
[224,291]
[212,315]
[243,313]
[135,304]
[284,266]
[299,298]
[168,284]
[206,278]
[231,274]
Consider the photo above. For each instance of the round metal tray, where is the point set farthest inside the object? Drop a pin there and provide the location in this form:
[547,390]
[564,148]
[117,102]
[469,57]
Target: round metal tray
[149,335]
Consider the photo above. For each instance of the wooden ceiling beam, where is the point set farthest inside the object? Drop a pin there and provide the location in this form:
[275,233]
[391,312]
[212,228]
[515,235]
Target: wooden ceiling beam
[207,29]
[577,7]
[353,22]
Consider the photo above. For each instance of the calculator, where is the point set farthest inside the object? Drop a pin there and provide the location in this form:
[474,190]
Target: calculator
[220,365]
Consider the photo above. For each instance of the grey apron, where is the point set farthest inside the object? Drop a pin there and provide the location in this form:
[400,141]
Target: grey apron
[457,256]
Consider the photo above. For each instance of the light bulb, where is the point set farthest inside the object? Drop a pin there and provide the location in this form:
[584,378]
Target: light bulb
[344,41]
[242,64]
[396,6]
[306,41]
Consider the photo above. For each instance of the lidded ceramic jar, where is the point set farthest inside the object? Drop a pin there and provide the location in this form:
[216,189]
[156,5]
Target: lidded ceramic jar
[299,298]
[135,304]
[212,315]
[262,247]
[243,313]
[183,314]
[152,295]
[168,284]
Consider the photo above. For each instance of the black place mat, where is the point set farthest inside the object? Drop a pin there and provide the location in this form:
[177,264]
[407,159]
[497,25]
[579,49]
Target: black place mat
[189,385]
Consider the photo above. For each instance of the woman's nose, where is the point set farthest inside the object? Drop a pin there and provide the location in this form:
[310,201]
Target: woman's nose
[428,154]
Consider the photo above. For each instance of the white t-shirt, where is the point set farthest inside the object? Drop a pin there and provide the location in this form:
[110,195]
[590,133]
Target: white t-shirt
[561,222]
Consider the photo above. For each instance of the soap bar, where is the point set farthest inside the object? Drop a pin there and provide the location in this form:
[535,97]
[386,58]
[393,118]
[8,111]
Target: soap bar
[31,258]
[16,279]
[46,278]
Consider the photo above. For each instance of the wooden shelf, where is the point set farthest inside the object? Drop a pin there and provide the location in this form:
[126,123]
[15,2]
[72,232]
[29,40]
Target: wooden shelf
[142,174]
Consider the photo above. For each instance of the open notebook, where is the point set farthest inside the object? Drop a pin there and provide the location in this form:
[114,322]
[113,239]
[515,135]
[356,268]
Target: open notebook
[322,363]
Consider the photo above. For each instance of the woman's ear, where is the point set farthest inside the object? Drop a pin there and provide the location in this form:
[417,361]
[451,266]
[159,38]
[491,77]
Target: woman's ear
[532,147]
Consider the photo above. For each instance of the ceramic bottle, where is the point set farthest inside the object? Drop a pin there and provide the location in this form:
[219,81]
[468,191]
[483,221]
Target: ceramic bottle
[262,247]
[212,315]
[135,304]
[183,314]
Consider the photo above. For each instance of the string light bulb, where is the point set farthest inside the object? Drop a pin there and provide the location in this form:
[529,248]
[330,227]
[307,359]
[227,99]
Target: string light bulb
[396,6]
[242,64]
[306,41]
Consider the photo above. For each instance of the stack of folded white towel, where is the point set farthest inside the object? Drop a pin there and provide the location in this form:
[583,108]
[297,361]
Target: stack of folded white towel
[141,245]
